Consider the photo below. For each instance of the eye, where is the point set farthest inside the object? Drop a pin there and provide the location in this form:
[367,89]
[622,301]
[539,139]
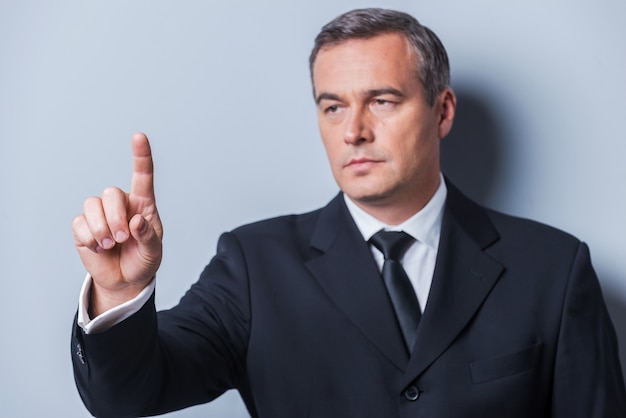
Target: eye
[383,104]
[331,109]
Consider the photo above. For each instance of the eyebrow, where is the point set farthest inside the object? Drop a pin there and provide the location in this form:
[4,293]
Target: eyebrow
[381,92]
[326,96]
[367,94]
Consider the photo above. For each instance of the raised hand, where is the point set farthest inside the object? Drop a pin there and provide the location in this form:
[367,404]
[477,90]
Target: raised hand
[119,235]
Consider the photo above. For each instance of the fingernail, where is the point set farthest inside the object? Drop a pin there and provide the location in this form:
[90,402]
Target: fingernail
[99,249]
[143,225]
[107,243]
[121,236]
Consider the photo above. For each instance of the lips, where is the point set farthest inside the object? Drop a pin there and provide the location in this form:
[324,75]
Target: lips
[361,161]
[362,165]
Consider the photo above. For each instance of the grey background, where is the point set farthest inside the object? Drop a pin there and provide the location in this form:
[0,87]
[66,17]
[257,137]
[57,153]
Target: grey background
[222,89]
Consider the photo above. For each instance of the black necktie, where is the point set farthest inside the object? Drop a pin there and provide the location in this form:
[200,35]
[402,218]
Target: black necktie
[393,244]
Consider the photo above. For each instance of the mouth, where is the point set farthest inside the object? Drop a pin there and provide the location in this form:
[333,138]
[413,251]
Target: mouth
[361,164]
[362,160]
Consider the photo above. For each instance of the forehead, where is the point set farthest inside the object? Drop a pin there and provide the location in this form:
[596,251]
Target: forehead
[386,58]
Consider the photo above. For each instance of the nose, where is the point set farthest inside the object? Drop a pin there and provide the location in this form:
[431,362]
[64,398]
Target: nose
[358,128]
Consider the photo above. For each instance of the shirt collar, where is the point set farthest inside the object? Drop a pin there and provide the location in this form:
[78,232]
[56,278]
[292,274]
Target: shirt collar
[424,226]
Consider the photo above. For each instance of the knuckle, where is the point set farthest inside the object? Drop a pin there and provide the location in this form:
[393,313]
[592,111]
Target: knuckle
[114,204]
[82,234]
[99,229]
[80,229]
[91,202]
[78,222]
[112,191]
[87,241]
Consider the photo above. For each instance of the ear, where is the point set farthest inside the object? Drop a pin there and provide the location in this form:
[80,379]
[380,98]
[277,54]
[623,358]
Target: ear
[446,106]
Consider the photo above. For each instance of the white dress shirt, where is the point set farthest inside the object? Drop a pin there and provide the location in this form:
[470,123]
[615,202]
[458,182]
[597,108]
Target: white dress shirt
[425,226]
[418,260]
[114,315]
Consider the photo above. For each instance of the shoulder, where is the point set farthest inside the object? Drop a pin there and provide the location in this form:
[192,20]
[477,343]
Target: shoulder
[260,242]
[279,225]
[488,226]
[532,242]
[529,230]
[300,226]
[281,234]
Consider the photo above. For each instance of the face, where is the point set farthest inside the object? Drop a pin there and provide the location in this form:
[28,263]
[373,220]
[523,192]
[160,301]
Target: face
[380,134]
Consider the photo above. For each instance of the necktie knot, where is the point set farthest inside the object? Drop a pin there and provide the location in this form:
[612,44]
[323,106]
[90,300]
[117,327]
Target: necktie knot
[391,243]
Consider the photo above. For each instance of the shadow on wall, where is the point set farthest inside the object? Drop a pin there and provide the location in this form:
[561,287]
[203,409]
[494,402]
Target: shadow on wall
[474,156]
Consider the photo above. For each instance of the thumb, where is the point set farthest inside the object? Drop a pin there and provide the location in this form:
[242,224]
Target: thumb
[148,242]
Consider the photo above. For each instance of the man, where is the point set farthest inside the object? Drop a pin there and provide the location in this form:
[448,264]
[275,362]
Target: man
[498,317]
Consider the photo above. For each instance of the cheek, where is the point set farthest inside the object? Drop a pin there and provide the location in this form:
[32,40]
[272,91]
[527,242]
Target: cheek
[411,147]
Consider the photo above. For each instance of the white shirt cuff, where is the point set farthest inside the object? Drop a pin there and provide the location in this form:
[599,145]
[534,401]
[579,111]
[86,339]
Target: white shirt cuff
[114,315]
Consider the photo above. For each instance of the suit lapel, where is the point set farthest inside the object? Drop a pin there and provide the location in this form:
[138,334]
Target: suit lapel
[348,274]
[464,276]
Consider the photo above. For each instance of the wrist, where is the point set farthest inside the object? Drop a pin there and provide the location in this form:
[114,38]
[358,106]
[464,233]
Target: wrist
[102,300]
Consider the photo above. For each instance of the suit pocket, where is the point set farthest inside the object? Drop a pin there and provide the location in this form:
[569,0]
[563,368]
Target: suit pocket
[507,365]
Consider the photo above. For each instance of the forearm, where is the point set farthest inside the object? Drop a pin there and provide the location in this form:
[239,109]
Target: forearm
[102,300]
[190,354]
[118,371]
[97,323]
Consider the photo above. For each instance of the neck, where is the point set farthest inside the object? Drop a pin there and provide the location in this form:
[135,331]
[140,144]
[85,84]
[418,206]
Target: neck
[395,211]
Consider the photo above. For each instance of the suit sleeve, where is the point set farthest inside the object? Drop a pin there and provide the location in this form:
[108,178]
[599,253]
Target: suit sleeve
[588,379]
[155,363]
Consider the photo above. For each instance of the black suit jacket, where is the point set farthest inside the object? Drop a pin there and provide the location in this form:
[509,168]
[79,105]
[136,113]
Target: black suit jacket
[293,313]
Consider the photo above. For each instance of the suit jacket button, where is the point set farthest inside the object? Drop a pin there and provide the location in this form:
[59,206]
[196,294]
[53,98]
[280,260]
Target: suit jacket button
[80,353]
[411,393]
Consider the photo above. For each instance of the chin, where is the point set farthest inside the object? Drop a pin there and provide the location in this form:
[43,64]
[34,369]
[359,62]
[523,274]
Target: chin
[368,196]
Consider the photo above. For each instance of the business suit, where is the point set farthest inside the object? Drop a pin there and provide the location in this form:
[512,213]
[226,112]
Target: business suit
[293,312]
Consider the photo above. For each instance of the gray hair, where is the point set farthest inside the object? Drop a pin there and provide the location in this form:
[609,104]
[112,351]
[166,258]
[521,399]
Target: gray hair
[433,68]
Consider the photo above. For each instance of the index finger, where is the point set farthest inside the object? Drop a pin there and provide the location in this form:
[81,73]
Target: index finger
[142,183]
